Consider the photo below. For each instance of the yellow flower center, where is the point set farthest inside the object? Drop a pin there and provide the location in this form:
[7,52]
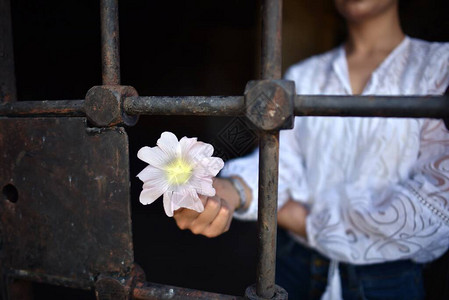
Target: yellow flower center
[178,171]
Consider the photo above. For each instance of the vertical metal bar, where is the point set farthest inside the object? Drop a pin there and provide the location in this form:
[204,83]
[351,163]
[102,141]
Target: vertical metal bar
[269,155]
[7,94]
[8,91]
[271,39]
[267,218]
[9,288]
[110,42]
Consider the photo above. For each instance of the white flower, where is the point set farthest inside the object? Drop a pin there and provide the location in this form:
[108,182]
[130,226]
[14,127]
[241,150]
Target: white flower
[180,170]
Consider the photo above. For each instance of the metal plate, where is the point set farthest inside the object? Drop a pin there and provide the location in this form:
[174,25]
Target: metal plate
[71,220]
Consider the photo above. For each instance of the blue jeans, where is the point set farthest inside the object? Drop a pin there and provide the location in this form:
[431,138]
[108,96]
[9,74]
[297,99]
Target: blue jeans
[303,273]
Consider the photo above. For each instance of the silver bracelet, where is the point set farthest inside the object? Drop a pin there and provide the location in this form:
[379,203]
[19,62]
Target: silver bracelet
[241,191]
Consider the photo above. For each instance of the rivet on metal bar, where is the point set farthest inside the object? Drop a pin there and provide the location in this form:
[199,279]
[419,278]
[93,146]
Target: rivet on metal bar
[269,103]
[103,105]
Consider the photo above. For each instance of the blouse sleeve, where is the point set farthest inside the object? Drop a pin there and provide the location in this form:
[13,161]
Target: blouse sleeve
[408,219]
[291,181]
[436,74]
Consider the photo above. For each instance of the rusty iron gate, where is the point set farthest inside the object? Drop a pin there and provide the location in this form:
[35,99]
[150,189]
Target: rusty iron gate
[94,204]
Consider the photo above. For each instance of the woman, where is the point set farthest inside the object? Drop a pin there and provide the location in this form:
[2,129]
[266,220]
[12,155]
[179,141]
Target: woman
[370,195]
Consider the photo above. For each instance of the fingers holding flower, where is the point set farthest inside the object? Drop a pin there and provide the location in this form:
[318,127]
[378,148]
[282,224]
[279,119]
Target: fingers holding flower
[213,221]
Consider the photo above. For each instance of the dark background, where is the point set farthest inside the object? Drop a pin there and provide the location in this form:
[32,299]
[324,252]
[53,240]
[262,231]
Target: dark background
[198,47]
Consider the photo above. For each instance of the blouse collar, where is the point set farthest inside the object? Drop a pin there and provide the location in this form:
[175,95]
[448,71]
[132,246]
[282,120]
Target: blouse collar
[340,66]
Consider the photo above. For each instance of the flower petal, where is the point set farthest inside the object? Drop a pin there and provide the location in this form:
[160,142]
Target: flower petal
[168,203]
[149,195]
[154,156]
[161,183]
[202,185]
[187,143]
[197,204]
[175,207]
[209,166]
[168,142]
[151,174]
[169,150]
[188,198]
[199,151]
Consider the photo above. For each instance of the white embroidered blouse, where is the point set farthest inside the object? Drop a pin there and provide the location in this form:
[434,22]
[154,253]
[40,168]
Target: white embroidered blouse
[377,188]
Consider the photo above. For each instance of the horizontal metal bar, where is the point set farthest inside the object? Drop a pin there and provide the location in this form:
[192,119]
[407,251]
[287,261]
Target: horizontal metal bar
[191,105]
[305,105]
[76,283]
[60,108]
[149,290]
[142,290]
[373,106]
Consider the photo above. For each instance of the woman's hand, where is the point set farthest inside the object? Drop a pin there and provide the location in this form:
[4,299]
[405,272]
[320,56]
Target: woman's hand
[213,221]
[218,210]
[292,216]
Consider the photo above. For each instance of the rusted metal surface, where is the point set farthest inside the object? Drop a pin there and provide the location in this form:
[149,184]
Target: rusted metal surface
[65,204]
[18,290]
[304,105]
[54,108]
[103,105]
[108,288]
[42,276]
[7,73]
[140,289]
[269,152]
[9,288]
[271,39]
[110,42]
[279,293]
[116,287]
[267,214]
[269,103]
[189,105]
[373,106]
[153,291]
